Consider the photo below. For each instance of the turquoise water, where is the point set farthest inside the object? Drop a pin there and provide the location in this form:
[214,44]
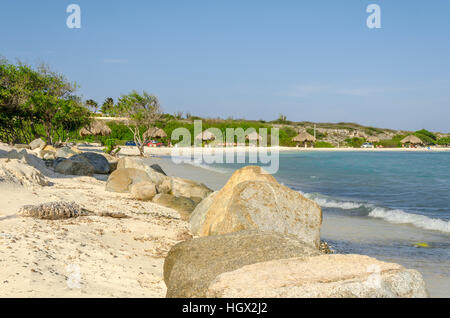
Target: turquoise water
[379,204]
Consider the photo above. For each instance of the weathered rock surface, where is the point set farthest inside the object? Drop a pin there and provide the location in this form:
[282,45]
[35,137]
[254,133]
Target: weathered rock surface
[98,161]
[144,190]
[74,166]
[326,276]
[165,186]
[192,265]
[37,143]
[182,205]
[53,211]
[252,199]
[198,216]
[156,177]
[121,179]
[16,171]
[28,159]
[189,189]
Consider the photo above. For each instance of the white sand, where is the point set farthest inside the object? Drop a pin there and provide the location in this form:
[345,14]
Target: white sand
[115,257]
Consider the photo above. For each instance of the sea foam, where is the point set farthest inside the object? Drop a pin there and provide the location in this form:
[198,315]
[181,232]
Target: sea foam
[394,216]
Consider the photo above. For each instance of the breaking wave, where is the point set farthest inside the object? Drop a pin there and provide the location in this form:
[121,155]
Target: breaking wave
[389,215]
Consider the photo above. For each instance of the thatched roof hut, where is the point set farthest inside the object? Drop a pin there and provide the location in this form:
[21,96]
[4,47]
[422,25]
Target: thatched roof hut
[96,128]
[206,135]
[154,132]
[253,136]
[411,139]
[304,137]
[373,139]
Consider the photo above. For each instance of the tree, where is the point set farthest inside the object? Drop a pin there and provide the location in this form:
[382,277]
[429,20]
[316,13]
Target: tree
[32,99]
[142,112]
[92,104]
[107,107]
[17,83]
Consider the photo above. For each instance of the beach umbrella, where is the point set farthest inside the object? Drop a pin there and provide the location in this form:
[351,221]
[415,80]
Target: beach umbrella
[411,139]
[206,135]
[96,128]
[373,139]
[304,137]
[155,132]
[254,136]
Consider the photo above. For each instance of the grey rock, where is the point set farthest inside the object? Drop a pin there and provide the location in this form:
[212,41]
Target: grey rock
[74,167]
[99,162]
[192,265]
[158,168]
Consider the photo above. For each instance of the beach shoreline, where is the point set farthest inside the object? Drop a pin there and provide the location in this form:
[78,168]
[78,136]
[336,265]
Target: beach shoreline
[115,257]
[177,152]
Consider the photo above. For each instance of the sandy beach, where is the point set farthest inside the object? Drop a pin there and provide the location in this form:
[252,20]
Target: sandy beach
[118,250]
[114,257]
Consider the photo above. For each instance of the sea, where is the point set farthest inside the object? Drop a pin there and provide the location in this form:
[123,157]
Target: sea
[394,206]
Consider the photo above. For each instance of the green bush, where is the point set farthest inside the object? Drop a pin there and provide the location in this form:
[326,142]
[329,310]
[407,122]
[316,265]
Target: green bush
[355,142]
[443,141]
[323,144]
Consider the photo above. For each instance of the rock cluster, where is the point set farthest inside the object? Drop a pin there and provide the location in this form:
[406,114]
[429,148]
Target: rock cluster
[150,182]
[261,239]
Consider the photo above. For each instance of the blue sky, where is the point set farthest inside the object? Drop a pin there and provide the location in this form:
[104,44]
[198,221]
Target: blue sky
[312,60]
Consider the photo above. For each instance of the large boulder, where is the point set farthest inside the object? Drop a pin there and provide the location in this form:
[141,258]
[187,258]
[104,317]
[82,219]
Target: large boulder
[326,276]
[99,162]
[252,199]
[74,167]
[198,216]
[121,179]
[144,190]
[189,189]
[156,177]
[182,205]
[191,266]
[37,143]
